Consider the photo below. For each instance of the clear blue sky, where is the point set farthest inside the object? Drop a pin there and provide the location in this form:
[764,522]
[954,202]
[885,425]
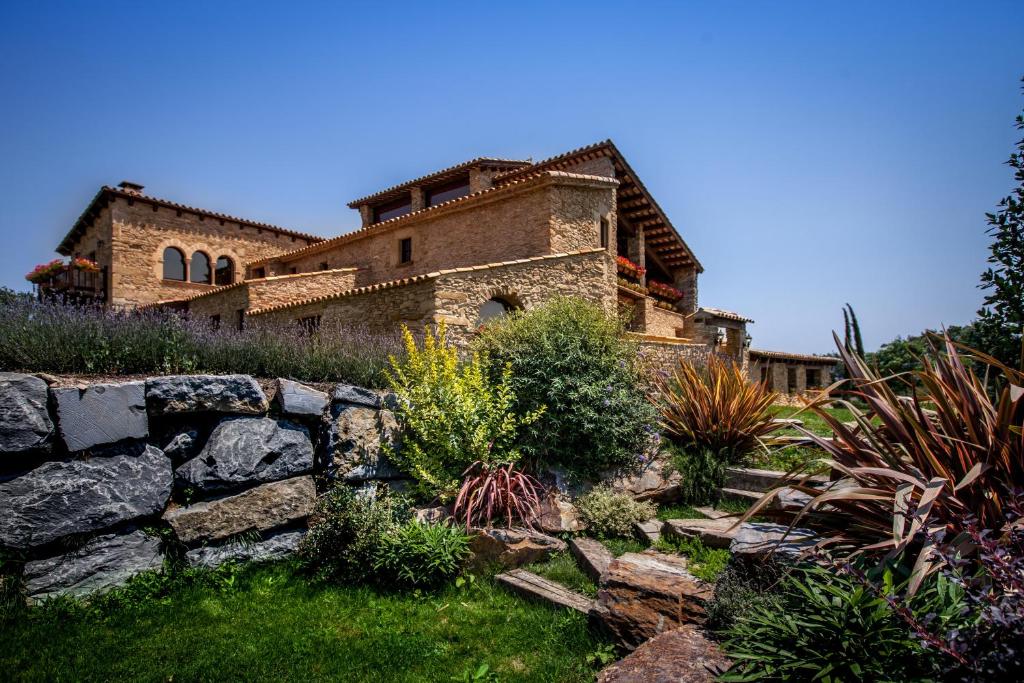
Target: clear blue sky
[810,153]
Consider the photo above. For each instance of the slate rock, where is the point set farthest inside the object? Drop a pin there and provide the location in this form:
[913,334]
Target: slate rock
[556,515]
[644,594]
[246,450]
[101,414]
[683,655]
[714,533]
[592,556]
[355,444]
[348,393]
[758,540]
[655,481]
[265,507]
[183,446]
[25,424]
[299,400]
[57,499]
[512,548]
[184,394]
[103,563]
[275,547]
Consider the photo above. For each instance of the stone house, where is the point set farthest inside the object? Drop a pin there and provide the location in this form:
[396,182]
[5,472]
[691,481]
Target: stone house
[791,373]
[463,245]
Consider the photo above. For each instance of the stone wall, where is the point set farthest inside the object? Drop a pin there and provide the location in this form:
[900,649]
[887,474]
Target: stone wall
[456,296]
[661,322]
[777,374]
[664,355]
[520,221]
[228,302]
[87,471]
[135,232]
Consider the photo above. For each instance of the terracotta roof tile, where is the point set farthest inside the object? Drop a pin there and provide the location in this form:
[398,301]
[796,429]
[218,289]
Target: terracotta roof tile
[720,313]
[782,355]
[438,175]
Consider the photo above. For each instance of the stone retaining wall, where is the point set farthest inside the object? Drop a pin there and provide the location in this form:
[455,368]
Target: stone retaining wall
[89,475]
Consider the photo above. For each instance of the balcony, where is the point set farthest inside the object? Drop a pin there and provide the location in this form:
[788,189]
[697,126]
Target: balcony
[70,282]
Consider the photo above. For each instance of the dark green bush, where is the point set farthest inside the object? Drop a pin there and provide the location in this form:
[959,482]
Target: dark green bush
[345,532]
[419,554]
[702,470]
[825,625]
[570,357]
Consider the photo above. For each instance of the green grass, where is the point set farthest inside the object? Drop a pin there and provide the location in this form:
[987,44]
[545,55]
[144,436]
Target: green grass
[703,562]
[562,568]
[621,546]
[812,422]
[668,512]
[271,624]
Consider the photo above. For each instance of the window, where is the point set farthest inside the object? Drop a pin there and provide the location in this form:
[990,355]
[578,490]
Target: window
[259,272]
[240,319]
[293,270]
[812,378]
[325,266]
[215,321]
[405,250]
[310,324]
[447,192]
[493,309]
[790,380]
[604,227]
[174,264]
[225,272]
[199,270]
[394,209]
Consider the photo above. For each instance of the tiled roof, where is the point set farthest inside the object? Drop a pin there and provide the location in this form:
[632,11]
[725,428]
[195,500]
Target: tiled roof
[389,224]
[649,209]
[106,192]
[436,176]
[706,311]
[391,284]
[781,355]
[260,280]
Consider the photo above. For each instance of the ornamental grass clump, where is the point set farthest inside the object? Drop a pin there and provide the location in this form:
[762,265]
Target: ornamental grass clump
[611,514]
[493,491]
[715,408]
[452,414]
[911,468]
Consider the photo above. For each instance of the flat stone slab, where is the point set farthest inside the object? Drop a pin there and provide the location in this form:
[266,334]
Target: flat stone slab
[104,563]
[299,400]
[536,587]
[259,509]
[101,414]
[591,556]
[248,450]
[714,533]
[644,594]
[760,539]
[712,513]
[788,422]
[751,479]
[58,499]
[684,655]
[512,548]
[275,547]
[649,530]
[740,496]
[184,394]
[348,393]
[25,424]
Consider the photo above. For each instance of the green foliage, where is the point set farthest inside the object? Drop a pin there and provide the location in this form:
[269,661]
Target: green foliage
[346,530]
[823,626]
[1001,319]
[562,568]
[702,470]
[608,513]
[852,339]
[705,563]
[419,554]
[274,625]
[452,413]
[571,357]
[742,588]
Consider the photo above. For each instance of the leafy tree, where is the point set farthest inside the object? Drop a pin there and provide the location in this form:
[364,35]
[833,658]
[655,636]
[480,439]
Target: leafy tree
[1001,318]
[853,340]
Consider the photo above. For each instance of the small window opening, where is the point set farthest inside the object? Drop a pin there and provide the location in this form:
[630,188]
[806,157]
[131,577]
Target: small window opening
[324,266]
[605,226]
[405,250]
[399,207]
[215,321]
[174,264]
[310,324]
[225,272]
[199,271]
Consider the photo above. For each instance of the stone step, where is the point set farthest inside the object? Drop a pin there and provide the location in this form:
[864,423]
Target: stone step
[712,513]
[531,585]
[649,531]
[714,533]
[788,422]
[739,495]
[751,479]
[592,557]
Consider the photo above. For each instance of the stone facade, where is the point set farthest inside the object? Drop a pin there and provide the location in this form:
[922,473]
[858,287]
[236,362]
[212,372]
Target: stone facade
[791,374]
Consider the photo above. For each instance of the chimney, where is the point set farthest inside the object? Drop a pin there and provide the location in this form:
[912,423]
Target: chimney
[130,187]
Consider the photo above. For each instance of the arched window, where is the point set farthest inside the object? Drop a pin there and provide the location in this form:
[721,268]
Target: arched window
[174,264]
[494,308]
[199,269]
[225,272]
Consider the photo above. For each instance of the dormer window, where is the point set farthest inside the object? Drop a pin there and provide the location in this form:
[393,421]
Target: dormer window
[399,207]
[448,191]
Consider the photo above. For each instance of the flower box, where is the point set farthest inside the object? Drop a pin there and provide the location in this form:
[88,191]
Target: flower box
[663,291]
[629,269]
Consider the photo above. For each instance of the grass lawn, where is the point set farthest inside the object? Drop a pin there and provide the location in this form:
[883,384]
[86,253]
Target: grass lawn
[812,422]
[270,624]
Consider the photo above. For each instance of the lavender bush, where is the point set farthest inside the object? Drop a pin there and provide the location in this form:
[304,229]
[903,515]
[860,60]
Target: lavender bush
[58,337]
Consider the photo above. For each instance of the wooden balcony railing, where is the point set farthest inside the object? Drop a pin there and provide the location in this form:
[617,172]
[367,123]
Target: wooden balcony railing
[74,283]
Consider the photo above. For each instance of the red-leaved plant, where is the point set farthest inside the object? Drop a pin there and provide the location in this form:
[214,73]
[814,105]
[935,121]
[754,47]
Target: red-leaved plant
[497,491]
